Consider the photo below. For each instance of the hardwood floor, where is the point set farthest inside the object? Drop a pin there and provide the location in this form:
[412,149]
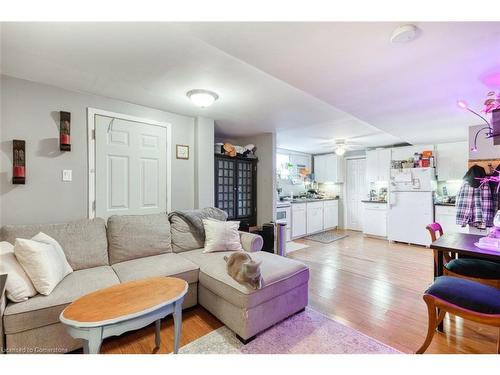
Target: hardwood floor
[196,322]
[368,284]
[376,287]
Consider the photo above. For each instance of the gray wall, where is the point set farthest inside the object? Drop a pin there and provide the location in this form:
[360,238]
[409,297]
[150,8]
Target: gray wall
[30,111]
[204,163]
[485,147]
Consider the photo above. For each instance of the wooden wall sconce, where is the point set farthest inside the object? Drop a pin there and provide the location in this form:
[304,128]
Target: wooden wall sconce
[19,165]
[64,131]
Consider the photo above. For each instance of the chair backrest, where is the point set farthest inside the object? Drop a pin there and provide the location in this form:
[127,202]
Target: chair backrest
[433,229]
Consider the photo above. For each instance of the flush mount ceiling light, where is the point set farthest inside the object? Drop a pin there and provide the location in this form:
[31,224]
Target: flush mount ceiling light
[404,34]
[202,98]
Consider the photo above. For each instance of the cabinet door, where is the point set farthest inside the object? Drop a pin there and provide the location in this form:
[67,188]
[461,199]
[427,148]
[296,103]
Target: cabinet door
[245,190]
[225,186]
[384,164]
[314,217]
[330,215]
[372,174]
[298,220]
[375,220]
[320,168]
[446,216]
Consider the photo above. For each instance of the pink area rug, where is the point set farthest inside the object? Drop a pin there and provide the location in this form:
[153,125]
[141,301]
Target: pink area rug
[308,332]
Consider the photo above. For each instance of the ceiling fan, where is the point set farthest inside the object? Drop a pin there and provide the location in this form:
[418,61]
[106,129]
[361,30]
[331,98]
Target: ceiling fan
[342,145]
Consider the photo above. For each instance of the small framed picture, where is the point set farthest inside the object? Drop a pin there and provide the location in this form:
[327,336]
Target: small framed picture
[182,152]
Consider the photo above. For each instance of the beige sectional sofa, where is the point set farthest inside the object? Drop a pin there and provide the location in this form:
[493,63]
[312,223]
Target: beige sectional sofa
[134,247]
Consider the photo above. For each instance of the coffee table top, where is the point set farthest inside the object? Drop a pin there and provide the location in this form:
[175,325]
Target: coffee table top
[123,301]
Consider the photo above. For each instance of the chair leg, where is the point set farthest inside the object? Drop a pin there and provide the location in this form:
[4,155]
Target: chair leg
[431,329]
[498,342]
[441,316]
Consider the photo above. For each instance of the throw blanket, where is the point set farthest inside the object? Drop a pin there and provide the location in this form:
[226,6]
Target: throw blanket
[195,218]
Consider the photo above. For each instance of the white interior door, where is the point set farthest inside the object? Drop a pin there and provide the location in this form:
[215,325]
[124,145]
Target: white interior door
[130,167]
[355,193]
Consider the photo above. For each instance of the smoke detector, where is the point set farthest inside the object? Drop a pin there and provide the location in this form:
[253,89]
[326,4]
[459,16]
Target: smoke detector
[404,34]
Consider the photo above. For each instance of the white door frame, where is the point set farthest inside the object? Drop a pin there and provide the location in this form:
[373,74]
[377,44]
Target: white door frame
[344,188]
[91,113]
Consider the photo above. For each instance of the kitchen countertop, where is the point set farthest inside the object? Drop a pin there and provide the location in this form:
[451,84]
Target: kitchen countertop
[445,204]
[309,200]
[369,201]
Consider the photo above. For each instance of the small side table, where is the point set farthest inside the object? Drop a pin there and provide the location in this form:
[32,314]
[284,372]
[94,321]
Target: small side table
[124,307]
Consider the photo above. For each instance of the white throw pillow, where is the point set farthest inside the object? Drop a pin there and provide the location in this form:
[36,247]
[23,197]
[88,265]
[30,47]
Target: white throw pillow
[43,260]
[18,287]
[221,236]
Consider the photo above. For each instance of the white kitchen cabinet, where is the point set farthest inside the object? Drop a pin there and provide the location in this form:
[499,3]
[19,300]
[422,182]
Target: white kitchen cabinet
[446,216]
[330,214]
[451,160]
[314,217]
[299,219]
[375,219]
[329,168]
[378,165]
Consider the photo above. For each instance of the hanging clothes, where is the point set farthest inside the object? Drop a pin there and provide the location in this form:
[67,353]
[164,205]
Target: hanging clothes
[475,202]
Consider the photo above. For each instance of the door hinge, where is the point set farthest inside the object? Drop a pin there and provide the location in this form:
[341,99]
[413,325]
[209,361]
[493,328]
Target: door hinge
[93,206]
[93,134]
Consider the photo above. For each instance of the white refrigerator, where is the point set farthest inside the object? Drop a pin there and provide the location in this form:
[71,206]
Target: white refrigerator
[411,205]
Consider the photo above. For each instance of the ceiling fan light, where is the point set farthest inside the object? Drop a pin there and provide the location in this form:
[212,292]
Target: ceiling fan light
[202,98]
[340,150]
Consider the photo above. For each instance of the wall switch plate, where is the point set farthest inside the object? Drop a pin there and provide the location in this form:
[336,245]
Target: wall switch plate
[67,175]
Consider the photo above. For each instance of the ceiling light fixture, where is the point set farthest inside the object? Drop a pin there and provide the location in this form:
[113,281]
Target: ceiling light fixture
[340,150]
[404,34]
[202,98]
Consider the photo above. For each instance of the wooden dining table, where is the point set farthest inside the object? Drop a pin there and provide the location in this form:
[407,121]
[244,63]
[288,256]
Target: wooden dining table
[461,244]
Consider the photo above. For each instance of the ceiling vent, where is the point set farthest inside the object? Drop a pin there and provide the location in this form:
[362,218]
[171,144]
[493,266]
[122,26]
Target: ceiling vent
[404,34]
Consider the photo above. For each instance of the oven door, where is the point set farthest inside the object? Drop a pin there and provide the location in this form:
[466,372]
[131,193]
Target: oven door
[281,215]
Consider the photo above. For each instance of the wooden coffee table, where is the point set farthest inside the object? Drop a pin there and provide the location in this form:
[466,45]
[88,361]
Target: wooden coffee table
[125,307]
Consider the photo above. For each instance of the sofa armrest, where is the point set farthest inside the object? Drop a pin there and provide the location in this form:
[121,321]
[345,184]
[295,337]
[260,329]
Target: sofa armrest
[251,242]
[3,303]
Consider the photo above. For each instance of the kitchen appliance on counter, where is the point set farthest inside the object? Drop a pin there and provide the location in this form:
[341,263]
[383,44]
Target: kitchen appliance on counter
[411,205]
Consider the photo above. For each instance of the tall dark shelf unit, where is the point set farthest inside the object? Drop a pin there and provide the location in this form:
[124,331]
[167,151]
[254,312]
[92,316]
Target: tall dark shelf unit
[236,188]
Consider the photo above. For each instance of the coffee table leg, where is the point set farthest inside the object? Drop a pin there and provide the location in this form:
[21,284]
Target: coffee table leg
[95,340]
[157,334]
[177,324]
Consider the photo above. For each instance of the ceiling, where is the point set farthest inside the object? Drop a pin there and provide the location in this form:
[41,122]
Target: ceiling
[308,82]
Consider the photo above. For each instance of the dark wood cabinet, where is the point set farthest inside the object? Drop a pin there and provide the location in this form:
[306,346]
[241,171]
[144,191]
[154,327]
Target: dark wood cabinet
[236,188]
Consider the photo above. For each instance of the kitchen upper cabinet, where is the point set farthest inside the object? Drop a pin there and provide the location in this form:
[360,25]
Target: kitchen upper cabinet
[299,219]
[329,168]
[314,217]
[375,219]
[330,214]
[451,160]
[378,165]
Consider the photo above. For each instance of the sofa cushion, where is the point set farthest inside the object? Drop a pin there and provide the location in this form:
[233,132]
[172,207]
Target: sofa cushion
[279,275]
[158,265]
[138,236]
[42,310]
[84,241]
[183,237]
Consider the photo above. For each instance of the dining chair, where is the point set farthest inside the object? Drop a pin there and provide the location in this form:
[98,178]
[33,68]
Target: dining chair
[464,298]
[480,270]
